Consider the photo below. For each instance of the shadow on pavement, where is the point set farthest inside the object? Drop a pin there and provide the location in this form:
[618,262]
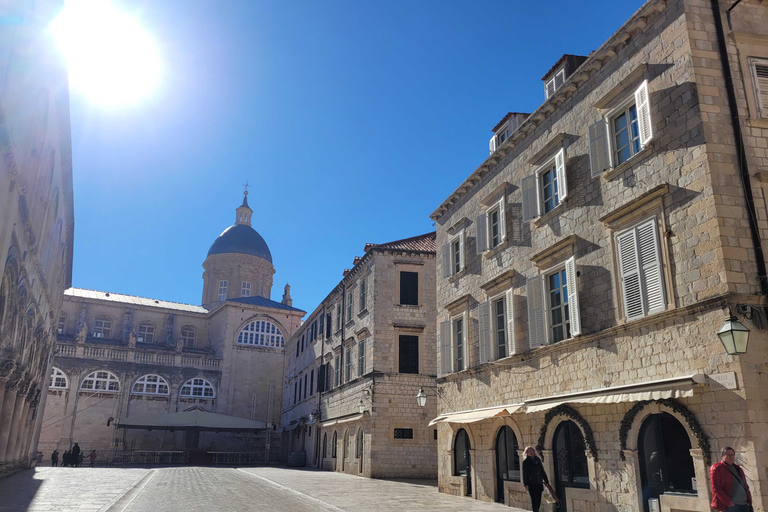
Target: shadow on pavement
[18,490]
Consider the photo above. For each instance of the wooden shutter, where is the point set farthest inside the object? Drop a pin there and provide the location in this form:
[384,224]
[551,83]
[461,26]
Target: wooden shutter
[484,318]
[536,330]
[530,198]
[328,325]
[409,354]
[503,219]
[650,267]
[445,348]
[629,269]
[549,87]
[573,296]
[445,257]
[510,303]
[559,79]
[562,183]
[598,148]
[492,144]
[321,379]
[461,251]
[760,70]
[481,223]
[643,105]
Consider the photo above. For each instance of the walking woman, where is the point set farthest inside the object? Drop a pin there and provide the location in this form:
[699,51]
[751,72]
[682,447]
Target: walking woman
[535,478]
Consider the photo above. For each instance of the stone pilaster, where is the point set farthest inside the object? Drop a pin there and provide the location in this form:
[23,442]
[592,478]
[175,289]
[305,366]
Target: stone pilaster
[6,418]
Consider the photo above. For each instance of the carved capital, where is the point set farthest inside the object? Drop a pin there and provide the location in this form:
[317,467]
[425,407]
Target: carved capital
[6,368]
[35,401]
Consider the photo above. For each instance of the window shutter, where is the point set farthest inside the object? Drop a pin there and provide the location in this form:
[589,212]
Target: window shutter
[328,325]
[536,332]
[492,144]
[549,88]
[321,378]
[650,265]
[562,183]
[445,347]
[573,296]
[510,302]
[503,218]
[643,104]
[559,79]
[530,198]
[482,233]
[445,256]
[630,276]
[761,86]
[598,147]
[461,251]
[484,317]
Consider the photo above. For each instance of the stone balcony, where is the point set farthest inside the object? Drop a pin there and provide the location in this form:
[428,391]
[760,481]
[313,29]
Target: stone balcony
[137,355]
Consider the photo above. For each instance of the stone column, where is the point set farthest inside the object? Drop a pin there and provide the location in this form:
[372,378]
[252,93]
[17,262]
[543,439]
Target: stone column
[39,406]
[6,418]
[21,433]
[18,409]
[35,424]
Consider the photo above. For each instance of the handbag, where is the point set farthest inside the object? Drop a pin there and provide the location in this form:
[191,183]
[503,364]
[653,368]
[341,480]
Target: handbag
[547,495]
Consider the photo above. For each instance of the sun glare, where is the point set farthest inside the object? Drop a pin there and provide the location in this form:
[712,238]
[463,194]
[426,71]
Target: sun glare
[111,59]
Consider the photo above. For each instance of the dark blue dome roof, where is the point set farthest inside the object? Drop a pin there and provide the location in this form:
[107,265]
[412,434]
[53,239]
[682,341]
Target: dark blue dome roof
[241,239]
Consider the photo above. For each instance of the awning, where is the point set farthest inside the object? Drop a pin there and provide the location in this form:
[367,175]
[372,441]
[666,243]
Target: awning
[192,420]
[289,427]
[334,421]
[676,387]
[476,414]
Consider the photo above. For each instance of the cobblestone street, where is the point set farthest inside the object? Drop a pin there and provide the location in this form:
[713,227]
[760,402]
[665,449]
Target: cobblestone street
[191,489]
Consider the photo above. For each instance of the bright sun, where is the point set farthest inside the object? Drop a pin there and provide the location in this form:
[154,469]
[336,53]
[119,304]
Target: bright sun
[111,59]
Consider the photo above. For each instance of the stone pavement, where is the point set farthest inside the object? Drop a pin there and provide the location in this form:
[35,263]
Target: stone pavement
[206,489]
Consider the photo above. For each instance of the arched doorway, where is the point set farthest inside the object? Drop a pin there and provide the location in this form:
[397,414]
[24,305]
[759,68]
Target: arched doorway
[344,450]
[570,452]
[359,449]
[461,461]
[507,460]
[664,450]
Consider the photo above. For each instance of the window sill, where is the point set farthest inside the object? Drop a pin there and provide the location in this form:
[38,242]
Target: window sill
[490,253]
[457,275]
[362,313]
[554,212]
[637,158]
[350,323]
[757,122]
[409,306]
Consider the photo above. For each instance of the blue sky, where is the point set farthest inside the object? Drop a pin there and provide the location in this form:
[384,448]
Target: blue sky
[351,121]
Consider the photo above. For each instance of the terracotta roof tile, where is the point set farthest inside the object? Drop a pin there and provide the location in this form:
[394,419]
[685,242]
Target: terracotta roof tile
[420,243]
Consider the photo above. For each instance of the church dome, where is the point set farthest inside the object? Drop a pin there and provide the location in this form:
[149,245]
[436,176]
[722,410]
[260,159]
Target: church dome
[241,239]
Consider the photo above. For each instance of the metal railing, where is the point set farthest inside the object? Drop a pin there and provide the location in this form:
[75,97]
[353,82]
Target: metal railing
[149,457]
[232,458]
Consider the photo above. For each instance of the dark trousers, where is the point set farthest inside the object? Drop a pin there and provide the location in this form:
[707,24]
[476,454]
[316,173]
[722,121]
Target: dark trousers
[739,508]
[535,492]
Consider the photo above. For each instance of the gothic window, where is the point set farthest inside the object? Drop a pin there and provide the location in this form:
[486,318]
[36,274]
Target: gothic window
[102,328]
[188,335]
[333,445]
[197,388]
[146,333]
[507,460]
[100,381]
[151,385]
[58,379]
[570,453]
[325,445]
[461,447]
[262,333]
[359,443]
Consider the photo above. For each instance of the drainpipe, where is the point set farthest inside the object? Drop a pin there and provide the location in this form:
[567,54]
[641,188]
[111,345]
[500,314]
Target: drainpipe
[741,154]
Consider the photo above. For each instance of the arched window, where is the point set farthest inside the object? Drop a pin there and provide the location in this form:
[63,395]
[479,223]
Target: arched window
[188,335]
[570,454]
[359,443]
[461,447]
[333,446]
[325,445]
[146,333]
[102,327]
[197,388]
[150,385]
[666,464]
[507,460]
[100,381]
[263,333]
[58,379]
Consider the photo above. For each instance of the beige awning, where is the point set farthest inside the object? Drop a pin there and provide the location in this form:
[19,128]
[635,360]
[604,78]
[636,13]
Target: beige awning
[191,420]
[676,387]
[476,414]
[334,421]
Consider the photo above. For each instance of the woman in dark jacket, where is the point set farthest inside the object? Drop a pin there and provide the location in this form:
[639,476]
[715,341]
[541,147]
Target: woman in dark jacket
[535,478]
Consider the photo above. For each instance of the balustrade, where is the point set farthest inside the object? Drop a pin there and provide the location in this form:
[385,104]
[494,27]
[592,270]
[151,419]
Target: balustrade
[124,355]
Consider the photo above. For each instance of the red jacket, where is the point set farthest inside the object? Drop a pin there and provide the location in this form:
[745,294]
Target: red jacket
[722,485]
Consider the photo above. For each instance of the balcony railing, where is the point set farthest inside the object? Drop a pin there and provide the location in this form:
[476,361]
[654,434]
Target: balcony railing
[136,356]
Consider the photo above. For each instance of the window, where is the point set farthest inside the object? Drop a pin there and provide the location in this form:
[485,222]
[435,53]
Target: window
[503,133]
[642,284]
[361,358]
[222,291]
[546,189]
[507,460]
[491,227]
[349,306]
[570,456]
[621,134]
[100,381]
[62,323]
[461,447]
[452,256]
[263,333]
[337,371]
[150,385]
[320,325]
[359,443]
[553,306]
[338,316]
[403,433]
[197,388]
[311,382]
[409,288]
[325,445]
[305,386]
[348,365]
[333,445]
[759,69]
[362,296]
[557,306]
[146,333]
[58,379]
[453,344]
[102,328]
[295,392]
[554,83]
[328,325]
[245,291]
[497,327]
[188,336]
[409,354]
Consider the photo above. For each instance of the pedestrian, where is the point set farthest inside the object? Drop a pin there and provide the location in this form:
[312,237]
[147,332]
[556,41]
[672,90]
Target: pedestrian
[92,457]
[80,460]
[75,455]
[730,490]
[55,458]
[535,478]
[39,457]
[65,458]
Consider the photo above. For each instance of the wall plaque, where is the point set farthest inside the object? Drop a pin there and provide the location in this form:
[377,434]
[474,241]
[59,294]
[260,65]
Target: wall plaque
[722,380]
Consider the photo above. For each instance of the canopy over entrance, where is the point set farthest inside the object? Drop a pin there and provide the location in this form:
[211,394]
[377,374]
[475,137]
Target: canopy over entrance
[192,420]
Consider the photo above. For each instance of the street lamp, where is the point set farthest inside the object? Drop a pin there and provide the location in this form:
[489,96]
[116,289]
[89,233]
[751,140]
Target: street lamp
[733,335]
[361,406]
[421,398]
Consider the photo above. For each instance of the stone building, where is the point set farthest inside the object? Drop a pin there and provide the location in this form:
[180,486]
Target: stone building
[587,265]
[36,221]
[127,361]
[354,368]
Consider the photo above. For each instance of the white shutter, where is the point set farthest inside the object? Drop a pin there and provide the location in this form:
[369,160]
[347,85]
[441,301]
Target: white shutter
[481,223]
[573,296]
[630,276]
[562,184]
[445,256]
[492,144]
[445,347]
[461,251]
[760,71]
[510,301]
[650,267]
[484,318]
[530,198]
[503,219]
[536,330]
[643,104]
[559,78]
[549,88]
[598,147]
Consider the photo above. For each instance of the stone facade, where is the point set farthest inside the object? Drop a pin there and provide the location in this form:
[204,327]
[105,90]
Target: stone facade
[36,222]
[347,357]
[675,203]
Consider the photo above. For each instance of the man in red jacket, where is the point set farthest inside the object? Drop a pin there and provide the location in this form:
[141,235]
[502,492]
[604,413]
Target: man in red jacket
[730,491]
